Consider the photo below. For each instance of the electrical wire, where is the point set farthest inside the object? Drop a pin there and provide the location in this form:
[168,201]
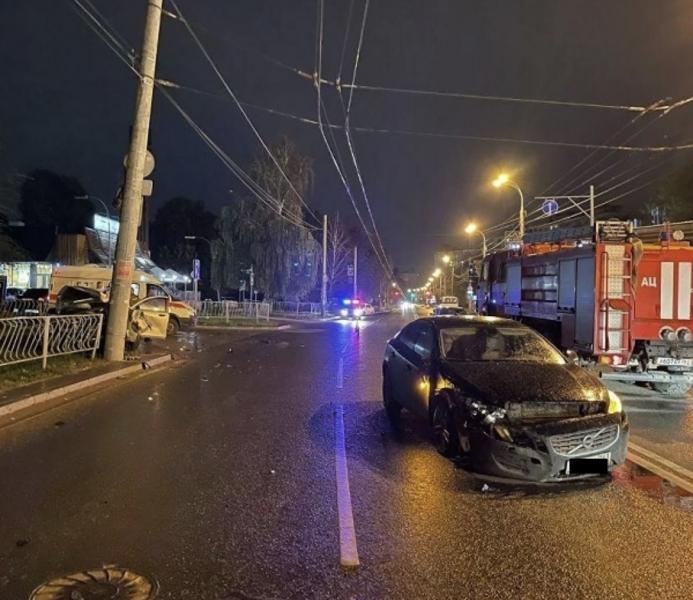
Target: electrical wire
[247,118]
[337,162]
[350,143]
[262,195]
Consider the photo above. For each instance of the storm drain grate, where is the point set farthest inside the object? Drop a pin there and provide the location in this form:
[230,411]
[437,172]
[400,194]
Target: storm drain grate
[110,582]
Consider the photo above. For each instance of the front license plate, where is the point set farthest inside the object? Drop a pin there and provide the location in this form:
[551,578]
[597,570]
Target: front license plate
[597,464]
[665,361]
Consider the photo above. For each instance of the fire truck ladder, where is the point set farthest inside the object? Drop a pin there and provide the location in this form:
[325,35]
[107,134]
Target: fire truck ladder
[615,300]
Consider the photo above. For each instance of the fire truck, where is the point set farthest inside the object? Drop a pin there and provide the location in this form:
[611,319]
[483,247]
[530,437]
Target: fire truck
[618,301]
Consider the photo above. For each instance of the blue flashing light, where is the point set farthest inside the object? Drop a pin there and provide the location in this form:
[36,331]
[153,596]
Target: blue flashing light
[346,301]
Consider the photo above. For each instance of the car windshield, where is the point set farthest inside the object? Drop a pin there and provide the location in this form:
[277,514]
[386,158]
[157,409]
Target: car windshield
[487,342]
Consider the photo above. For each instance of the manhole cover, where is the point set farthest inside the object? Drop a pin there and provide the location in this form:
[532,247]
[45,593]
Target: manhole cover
[113,583]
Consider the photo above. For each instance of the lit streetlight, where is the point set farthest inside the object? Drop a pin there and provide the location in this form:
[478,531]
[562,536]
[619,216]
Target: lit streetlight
[503,180]
[446,259]
[473,228]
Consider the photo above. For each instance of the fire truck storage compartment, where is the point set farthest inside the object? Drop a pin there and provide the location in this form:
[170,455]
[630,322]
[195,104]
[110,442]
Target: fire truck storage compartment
[540,286]
[513,296]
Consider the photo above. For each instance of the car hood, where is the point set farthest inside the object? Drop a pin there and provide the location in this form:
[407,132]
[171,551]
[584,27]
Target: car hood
[501,382]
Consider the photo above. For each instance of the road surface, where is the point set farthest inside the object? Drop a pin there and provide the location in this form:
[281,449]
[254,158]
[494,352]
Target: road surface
[223,477]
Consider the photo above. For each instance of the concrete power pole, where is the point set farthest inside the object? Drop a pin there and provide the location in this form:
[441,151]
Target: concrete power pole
[356,271]
[323,295]
[131,210]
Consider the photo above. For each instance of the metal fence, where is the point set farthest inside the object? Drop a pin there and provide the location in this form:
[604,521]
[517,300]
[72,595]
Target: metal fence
[23,339]
[297,309]
[226,310]
[23,308]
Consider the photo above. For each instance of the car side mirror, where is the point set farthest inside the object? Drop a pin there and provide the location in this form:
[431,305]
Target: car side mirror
[572,357]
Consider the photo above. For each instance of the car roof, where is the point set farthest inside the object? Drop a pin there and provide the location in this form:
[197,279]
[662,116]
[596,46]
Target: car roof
[446,321]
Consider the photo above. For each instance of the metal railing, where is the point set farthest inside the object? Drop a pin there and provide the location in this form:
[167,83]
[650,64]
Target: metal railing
[23,339]
[227,310]
[23,308]
[296,309]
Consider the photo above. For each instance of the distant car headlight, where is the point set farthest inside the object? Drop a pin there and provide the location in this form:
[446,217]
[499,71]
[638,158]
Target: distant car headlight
[344,312]
[358,312]
[615,405]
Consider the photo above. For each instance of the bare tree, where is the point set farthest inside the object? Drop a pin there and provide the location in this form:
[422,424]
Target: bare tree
[338,252]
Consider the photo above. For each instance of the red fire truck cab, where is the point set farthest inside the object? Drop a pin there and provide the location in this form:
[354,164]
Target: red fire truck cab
[604,293]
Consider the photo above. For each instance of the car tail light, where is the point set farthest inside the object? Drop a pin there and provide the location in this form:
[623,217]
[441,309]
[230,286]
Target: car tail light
[684,334]
[667,334]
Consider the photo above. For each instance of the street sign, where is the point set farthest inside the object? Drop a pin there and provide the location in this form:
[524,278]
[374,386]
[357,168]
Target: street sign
[149,163]
[241,287]
[549,207]
[350,270]
[147,187]
[196,268]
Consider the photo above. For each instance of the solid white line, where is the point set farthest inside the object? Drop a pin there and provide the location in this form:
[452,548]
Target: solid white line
[348,553]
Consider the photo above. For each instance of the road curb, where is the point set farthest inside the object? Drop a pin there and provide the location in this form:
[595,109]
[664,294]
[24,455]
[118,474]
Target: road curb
[224,328]
[82,385]
[659,465]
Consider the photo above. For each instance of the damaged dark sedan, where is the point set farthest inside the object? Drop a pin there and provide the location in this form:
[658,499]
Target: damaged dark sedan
[498,394]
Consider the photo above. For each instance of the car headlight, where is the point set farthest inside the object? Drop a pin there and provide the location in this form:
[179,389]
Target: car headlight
[344,312]
[503,433]
[358,312]
[615,405]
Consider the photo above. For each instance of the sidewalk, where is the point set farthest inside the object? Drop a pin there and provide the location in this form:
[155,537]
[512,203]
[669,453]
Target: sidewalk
[30,396]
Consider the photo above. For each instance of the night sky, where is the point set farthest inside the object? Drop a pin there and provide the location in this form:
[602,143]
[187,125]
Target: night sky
[67,101]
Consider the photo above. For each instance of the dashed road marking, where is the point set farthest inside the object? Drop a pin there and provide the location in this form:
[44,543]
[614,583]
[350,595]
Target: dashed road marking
[348,552]
[340,373]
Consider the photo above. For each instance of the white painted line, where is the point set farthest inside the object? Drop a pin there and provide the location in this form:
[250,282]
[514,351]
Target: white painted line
[348,553]
[340,374]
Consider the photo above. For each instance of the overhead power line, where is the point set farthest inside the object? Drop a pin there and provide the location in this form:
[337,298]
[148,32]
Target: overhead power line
[336,159]
[273,204]
[232,95]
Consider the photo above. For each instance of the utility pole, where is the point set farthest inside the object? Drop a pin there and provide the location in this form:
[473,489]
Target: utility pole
[251,273]
[356,270]
[323,295]
[131,210]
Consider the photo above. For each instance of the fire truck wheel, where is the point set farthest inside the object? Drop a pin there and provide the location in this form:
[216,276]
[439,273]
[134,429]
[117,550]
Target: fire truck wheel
[673,389]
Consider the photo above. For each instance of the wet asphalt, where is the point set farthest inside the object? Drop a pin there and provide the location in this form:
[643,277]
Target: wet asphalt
[216,477]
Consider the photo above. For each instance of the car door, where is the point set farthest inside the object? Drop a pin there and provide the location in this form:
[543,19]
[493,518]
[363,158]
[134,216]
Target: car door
[419,385]
[399,362]
[150,317]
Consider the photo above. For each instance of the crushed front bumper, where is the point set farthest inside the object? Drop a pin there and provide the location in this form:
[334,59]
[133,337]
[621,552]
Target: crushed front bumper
[543,452]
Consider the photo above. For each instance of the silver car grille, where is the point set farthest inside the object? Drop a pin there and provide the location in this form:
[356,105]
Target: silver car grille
[587,441]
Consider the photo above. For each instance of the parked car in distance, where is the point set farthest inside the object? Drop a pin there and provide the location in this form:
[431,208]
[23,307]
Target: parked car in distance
[500,395]
[423,310]
[148,317]
[13,293]
[368,309]
[450,310]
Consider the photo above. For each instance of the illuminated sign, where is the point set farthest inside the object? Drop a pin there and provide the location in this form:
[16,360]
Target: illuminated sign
[102,223]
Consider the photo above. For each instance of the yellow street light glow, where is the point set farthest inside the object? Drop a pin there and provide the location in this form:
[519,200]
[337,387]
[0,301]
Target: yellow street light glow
[394,284]
[501,180]
[471,228]
[436,273]
[430,279]
[446,259]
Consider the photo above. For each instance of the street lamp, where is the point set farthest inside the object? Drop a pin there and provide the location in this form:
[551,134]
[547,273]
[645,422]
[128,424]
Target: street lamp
[108,216]
[446,259]
[473,228]
[504,180]
[211,253]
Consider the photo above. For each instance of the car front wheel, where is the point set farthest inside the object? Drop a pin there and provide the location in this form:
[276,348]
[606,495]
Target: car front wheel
[445,436]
